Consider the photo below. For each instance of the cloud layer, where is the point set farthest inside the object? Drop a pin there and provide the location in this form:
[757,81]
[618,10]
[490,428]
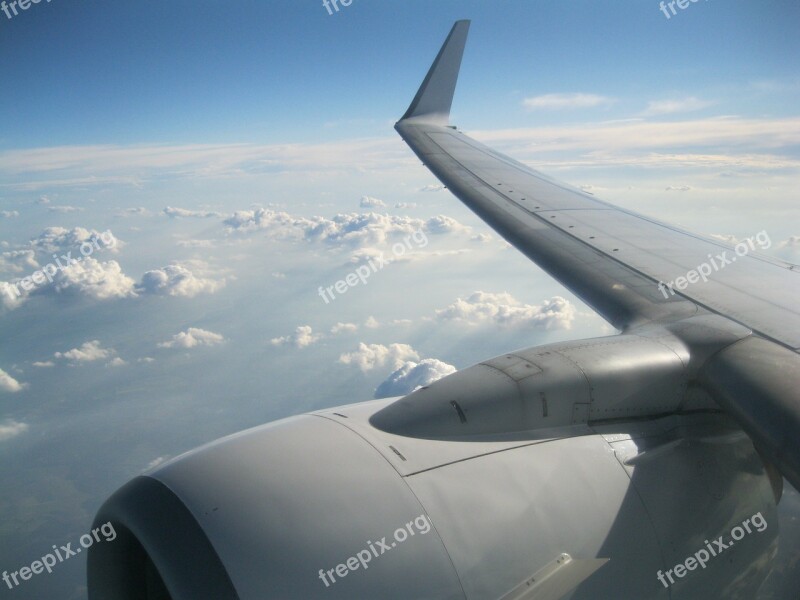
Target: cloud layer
[565,101]
[353,229]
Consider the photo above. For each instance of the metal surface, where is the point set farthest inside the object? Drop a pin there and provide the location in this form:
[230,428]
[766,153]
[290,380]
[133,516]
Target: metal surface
[759,383]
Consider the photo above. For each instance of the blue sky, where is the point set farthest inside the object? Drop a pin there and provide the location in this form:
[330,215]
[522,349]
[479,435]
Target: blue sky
[171,72]
[242,155]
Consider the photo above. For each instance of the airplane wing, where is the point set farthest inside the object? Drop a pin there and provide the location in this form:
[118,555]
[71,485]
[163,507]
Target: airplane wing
[613,259]
[633,270]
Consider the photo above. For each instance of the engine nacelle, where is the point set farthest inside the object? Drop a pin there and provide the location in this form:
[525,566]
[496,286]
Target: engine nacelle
[618,377]
[580,470]
[328,506]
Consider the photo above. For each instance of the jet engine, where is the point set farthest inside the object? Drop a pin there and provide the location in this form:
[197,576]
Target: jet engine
[581,470]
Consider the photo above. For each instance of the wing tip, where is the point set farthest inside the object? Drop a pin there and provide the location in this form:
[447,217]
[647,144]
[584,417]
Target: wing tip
[435,96]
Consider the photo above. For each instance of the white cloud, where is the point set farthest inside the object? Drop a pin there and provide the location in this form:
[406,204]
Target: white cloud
[95,279]
[677,188]
[443,224]
[9,214]
[11,296]
[368,202]
[370,356]
[365,254]
[18,261]
[378,258]
[359,229]
[100,165]
[198,243]
[9,384]
[87,352]
[432,187]
[177,280]
[344,328]
[371,323]
[565,101]
[139,211]
[729,142]
[356,229]
[789,249]
[60,239]
[64,209]
[280,223]
[671,106]
[175,212]
[193,337]
[412,376]
[86,276]
[504,310]
[302,337]
[735,141]
[116,362]
[10,429]
[44,364]
[420,255]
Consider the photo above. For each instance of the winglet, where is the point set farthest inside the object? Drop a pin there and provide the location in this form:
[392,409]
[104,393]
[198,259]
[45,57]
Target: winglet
[435,96]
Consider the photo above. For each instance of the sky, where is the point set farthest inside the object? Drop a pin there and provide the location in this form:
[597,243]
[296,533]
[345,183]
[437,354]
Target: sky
[225,161]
